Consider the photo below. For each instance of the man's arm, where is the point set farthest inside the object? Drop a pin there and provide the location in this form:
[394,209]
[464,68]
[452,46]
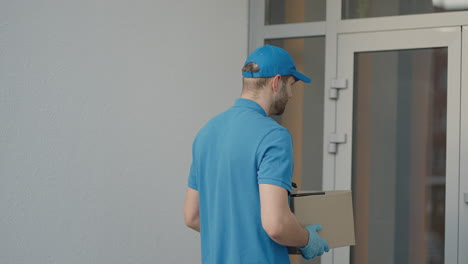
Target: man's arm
[278,220]
[191,210]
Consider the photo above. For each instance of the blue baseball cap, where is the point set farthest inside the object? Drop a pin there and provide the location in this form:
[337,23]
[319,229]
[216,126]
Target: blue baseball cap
[272,61]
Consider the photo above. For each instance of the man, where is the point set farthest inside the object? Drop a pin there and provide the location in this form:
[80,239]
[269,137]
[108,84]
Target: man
[242,166]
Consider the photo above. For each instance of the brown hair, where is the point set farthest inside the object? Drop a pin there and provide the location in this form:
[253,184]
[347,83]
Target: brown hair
[254,83]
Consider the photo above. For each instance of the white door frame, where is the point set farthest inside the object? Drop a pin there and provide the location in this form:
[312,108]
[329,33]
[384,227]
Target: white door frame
[348,45]
[463,222]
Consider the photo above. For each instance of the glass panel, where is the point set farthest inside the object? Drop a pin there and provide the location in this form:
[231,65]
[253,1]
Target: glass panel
[294,11]
[399,156]
[304,113]
[379,8]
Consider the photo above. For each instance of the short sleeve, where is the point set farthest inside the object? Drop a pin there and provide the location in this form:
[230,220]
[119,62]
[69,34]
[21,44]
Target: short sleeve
[275,162]
[192,179]
[193,175]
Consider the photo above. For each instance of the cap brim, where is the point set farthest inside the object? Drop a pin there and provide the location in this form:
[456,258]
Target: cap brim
[301,77]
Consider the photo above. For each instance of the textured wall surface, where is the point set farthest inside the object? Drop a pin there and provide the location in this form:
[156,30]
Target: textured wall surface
[99,104]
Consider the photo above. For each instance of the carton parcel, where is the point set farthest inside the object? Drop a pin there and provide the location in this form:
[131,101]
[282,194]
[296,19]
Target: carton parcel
[331,209]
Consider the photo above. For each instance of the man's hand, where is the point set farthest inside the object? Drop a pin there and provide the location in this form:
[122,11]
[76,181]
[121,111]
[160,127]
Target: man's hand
[316,245]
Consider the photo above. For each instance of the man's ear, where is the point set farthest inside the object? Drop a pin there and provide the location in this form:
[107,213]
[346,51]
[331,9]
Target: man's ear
[275,83]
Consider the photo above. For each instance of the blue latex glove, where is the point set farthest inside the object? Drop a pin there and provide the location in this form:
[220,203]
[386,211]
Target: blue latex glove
[316,245]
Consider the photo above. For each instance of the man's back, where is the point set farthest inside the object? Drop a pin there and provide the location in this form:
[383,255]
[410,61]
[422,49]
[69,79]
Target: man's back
[228,166]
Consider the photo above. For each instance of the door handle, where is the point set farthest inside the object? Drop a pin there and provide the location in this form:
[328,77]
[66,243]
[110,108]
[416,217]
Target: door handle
[466,197]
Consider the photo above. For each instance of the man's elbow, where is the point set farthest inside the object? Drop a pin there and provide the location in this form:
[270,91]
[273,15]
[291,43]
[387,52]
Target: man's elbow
[193,223]
[274,229]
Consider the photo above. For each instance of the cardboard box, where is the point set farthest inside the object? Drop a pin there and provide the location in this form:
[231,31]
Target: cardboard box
[331,209]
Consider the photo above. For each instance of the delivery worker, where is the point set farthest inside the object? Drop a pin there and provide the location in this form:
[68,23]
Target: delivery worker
[242,167]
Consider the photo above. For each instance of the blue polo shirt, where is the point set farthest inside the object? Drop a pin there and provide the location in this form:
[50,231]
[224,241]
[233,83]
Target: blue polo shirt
[231,155]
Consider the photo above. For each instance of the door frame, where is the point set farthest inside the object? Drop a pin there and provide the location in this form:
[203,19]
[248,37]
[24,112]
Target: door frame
[348,45]
[463,210]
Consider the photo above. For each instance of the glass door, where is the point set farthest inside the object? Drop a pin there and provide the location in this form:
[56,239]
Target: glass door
[400,114]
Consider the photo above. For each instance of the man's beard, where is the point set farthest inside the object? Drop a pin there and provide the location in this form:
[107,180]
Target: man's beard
[280,104]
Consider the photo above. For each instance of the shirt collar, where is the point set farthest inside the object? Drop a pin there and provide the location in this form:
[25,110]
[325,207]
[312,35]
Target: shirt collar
[246,103]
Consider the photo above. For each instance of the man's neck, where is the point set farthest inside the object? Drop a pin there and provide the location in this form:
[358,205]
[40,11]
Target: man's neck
[259,100]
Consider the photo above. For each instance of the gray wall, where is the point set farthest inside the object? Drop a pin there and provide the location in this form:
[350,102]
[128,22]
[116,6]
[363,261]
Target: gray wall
[99,104]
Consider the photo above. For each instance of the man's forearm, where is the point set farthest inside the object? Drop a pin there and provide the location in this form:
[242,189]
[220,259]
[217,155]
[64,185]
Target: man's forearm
[195,224]
[290,232]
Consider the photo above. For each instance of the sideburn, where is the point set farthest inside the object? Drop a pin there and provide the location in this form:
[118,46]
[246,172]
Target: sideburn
[280,105]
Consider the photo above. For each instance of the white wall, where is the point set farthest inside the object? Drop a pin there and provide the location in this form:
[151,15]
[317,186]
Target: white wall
[99,104]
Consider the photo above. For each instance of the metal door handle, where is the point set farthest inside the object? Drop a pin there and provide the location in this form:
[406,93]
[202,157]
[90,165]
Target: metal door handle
[466,197]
